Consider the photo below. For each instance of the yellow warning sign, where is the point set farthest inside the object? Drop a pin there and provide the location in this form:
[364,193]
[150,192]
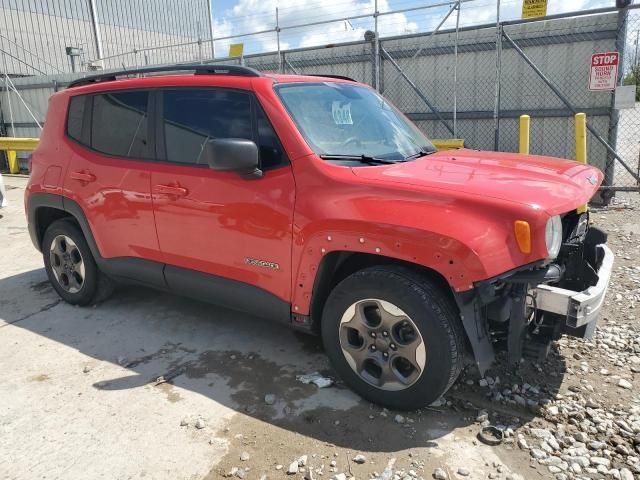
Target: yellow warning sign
[236,49]
[534,8]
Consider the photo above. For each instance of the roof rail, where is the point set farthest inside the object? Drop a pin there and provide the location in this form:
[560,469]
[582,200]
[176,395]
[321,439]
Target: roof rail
[339,77]
[196,69]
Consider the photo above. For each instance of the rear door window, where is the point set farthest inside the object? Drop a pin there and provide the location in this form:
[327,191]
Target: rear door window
[120,124]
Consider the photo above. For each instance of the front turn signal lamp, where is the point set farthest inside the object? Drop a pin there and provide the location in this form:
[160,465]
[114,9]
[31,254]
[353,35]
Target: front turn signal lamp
[523,235]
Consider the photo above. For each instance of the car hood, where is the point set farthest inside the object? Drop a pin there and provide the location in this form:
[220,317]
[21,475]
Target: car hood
[552,184]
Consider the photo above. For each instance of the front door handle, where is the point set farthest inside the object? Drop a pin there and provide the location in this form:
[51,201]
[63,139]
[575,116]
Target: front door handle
[83,177]
[171,190]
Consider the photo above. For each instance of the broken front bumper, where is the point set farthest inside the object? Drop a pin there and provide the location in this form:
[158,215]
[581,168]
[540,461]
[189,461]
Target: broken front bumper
[580,308]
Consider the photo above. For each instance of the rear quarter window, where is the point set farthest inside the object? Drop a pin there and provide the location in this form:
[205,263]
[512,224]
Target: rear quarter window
[75,118]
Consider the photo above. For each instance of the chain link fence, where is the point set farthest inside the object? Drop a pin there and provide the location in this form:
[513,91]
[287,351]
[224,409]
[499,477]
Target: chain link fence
[561,50]
[628,120]
[471,82]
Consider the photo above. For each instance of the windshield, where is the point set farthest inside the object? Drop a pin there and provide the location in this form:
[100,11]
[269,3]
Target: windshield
[341,119]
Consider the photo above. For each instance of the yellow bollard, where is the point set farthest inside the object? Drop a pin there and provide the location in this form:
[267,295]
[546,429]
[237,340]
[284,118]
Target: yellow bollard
[525,121]
[581,146]
[14,165]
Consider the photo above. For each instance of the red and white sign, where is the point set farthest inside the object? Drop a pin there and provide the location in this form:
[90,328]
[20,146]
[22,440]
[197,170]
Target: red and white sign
[604,71]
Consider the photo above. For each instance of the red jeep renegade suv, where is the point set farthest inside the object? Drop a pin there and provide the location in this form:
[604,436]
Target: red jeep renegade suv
[313,201]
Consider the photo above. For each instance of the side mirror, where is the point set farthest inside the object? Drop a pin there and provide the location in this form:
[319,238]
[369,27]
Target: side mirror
[233,155]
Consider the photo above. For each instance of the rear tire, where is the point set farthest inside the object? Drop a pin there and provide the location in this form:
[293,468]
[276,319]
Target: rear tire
[394,336]
[70,266]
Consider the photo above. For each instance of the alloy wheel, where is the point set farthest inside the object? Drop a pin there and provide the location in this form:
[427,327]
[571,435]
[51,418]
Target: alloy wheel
[382,345]
[67,264]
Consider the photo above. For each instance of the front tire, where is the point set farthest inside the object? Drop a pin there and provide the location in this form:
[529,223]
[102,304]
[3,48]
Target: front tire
[70,265]
[394,336]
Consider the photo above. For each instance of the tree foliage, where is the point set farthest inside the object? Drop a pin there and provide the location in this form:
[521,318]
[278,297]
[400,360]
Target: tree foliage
[633,78]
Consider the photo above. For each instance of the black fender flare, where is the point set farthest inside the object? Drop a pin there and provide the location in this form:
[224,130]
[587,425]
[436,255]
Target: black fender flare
[59,202]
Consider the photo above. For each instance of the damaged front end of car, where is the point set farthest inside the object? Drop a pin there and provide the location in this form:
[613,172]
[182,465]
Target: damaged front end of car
[522,311]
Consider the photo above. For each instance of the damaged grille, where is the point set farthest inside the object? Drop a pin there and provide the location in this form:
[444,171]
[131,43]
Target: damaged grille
[574,227]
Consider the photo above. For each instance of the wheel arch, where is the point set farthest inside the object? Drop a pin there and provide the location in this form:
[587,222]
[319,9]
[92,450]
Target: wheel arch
[338,265]
[44,217]
[45,208]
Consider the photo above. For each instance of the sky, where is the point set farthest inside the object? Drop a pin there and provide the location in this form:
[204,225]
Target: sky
[234,17]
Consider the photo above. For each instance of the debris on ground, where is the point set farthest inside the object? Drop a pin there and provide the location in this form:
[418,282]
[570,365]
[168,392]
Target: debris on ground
[440,474]
[399,419]
[491,435]
[359,459]
[293,468]
[316,378]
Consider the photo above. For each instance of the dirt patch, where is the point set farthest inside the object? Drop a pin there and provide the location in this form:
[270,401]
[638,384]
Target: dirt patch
[418,448]
[172,394]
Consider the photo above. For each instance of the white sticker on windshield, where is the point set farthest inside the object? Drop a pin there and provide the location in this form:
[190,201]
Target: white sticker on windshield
[341,113]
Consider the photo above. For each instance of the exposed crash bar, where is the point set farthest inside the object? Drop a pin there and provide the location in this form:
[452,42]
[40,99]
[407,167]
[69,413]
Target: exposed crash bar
[579,307]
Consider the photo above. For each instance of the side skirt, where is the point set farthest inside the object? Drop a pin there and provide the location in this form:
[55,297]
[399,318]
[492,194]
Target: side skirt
[232,294]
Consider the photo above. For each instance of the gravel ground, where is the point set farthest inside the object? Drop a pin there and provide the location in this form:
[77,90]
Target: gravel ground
[155,386]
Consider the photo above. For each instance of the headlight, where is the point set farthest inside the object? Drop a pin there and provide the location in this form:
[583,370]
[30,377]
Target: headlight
[553,236]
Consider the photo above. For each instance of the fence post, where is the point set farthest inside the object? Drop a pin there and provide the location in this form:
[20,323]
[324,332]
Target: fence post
[496,100]
[455,73]
[96,28]
[6,90]
[612,136]
[381,61]
[211,28]
[376,49]
[525,122]
[278,41]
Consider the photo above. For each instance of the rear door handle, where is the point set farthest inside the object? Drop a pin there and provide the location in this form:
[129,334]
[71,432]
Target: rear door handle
[171,190]
[83,177]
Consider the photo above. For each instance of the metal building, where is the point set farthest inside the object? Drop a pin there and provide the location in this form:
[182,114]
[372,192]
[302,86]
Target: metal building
[55,36]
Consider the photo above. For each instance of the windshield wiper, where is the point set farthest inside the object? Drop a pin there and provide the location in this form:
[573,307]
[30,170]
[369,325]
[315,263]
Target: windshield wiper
[359,158]
[419,154]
